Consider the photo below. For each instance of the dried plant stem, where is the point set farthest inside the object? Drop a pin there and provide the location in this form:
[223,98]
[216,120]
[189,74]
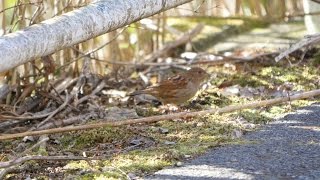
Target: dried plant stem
[166,117]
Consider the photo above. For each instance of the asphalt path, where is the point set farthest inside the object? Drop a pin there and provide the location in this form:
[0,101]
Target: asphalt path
[288,148]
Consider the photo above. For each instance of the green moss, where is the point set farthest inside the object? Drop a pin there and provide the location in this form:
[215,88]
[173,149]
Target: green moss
[316,59]
[148,111]
[213,98]
[84,139]
[254,116]
[143,161]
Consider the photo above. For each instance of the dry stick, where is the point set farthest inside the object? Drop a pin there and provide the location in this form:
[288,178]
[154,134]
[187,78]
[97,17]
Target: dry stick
[6,117]
[94,92]
[59,90]
[68,121]
[165,117]
[56,111]
[33,147]
[307,41]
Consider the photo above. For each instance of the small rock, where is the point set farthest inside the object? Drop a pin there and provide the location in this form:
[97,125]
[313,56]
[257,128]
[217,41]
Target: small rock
[249,126]
[231,91]
[116,114]
[179,164]
[28,139]
[236,133]
[200,124]
[56,141]
[163,130]
[135,142]
[169,143]
[189,55]
[132,176]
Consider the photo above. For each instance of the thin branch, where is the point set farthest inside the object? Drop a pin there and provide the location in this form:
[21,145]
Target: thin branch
[94,50]
[21,4]
[6,117]
[66,102]
[95,91]
[165,117]
[34,146]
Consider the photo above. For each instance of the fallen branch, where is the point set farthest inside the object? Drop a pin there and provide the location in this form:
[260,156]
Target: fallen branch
[165,117]
[307,41]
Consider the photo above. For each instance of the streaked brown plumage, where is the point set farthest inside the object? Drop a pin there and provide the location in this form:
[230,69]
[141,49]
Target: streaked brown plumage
[177,89]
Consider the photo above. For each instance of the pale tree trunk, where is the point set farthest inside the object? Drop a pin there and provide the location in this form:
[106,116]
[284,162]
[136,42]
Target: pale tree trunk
[97,18]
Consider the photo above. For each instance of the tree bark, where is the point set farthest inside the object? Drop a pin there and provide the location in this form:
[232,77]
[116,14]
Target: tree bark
[97,18]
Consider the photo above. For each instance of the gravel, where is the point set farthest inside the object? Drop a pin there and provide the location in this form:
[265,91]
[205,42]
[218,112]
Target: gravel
[288,148]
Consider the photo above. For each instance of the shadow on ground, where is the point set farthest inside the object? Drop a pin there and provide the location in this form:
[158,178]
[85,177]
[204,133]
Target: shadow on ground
[285,149]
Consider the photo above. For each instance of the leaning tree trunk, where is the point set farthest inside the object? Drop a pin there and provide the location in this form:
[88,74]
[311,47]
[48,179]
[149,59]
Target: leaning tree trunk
[99,17]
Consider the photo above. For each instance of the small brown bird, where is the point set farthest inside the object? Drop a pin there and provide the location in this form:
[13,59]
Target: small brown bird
[177,89]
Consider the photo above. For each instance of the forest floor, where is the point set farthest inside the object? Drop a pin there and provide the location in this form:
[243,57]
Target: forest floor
[133,151]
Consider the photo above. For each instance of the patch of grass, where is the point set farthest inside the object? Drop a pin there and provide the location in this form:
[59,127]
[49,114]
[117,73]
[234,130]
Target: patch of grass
[254,116]
[85,139]
[198,133]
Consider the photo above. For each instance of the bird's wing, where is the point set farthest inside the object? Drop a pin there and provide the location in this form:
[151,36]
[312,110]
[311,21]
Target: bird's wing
[167,87]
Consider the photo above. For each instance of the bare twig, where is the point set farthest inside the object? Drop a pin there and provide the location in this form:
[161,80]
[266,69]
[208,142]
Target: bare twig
[88,54]
[66,102]
[21,4]
[165,117]
[72,120]
[95,91]
[6,117]
[33,147]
